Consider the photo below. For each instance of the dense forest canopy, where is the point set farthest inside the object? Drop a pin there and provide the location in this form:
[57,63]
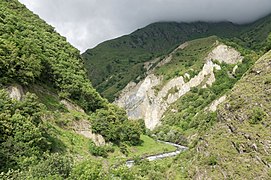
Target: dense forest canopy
[32,51]
[49,69]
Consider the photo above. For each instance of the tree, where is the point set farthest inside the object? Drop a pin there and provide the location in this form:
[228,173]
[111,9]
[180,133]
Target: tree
[22,131]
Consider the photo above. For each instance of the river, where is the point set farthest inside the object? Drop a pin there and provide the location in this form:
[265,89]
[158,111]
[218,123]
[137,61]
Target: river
[179,149]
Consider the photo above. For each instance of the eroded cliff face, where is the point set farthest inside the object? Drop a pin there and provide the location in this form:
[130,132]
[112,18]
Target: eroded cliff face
[144,100]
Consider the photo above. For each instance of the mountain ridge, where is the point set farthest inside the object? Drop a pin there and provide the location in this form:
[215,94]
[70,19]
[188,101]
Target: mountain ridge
[131,51]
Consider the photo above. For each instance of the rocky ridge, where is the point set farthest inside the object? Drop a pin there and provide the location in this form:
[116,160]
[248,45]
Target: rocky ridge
[141,100]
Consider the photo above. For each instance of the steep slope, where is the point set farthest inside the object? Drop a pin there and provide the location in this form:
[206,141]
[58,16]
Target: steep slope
[238,146]
[235,144]
[32,51]
[113,64]
[191,65]
[51,118]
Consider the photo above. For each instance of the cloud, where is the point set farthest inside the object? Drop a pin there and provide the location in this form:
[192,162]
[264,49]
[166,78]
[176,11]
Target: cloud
[85,23]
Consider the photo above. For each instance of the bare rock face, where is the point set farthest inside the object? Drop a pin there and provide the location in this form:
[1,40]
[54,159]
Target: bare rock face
[226,54]
[71,107]
[83,128]
[143,101]
[15,92]
[215,103]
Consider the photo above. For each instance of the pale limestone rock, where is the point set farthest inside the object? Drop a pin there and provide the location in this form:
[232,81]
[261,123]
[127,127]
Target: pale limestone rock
[71,107]
[142,101]
[226,54]
[215,103]
[234,69]
[187,75]
[83,128]
[15,92]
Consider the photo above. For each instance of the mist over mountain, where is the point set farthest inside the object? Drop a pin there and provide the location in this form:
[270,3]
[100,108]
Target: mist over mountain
[86,23]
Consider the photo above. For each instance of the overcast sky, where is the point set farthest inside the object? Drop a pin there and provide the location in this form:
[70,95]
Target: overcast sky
[86,23]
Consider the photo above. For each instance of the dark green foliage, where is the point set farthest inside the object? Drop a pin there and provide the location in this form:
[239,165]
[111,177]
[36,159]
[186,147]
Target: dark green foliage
[170,134]
[211,161]
[30,51]
[123,172]
[88,170]
[114,125]
[100,150]
[188,106]
[191,106]
[22,131]
[15,66]
[257,115]
[53,166]
[223,80]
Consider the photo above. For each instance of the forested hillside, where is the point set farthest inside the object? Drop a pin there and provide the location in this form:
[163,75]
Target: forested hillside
[45,100]
[32,51]
[230,141]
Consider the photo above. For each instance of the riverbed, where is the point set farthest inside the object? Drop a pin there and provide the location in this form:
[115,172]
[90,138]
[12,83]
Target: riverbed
[154,157]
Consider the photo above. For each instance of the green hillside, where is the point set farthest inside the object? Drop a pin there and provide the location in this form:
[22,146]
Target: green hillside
[55,125]
[212,152]
[231,143]
[112,64]
[32,51]
[41,137]
[238,145]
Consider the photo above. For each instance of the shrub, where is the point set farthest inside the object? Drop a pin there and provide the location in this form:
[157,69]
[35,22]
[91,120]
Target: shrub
[211,161]
[23,135]
[88,170]
[54,165]
[114,125]
[257,115]
[123,172]
[100,150]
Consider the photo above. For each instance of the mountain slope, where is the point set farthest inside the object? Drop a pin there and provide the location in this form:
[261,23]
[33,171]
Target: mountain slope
[238,146]
[32,51]
[113,64]
[192,65]
[235,144]
[51,118]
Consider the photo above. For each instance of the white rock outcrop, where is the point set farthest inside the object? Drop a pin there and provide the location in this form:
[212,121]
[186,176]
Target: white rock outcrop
[226,54]
[83,128]
[16,92]
[143,101]
[215,103]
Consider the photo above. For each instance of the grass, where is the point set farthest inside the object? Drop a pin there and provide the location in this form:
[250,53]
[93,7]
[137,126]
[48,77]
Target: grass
[239,152]
[148,147]
[47,96]
[70,142]
[190,58]
[67,141]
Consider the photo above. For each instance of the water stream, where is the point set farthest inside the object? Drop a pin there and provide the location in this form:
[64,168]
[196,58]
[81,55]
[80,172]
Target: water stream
[179,149]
